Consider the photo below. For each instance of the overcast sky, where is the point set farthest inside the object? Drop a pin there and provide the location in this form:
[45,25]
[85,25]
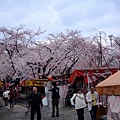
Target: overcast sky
[56,16]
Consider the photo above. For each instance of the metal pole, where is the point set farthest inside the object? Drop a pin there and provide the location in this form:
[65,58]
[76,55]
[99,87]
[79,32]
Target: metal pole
[119,65]
[100,53]
[110,37]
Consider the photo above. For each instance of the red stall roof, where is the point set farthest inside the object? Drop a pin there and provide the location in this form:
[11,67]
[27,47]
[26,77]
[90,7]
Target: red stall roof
[91,75]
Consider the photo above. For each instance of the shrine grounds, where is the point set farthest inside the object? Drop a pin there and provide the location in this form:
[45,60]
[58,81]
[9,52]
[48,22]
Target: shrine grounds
[18,113]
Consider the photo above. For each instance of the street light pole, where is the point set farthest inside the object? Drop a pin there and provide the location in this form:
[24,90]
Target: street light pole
[100,53]
[119,65]
[110,37]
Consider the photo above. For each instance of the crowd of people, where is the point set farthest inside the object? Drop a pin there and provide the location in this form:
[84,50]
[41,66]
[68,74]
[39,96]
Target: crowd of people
[79,100]
[9,96]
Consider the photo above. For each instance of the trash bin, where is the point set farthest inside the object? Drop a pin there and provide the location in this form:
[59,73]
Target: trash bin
[103,117]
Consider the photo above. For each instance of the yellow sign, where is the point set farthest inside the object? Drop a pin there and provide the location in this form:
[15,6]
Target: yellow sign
[38,83]
[0,83]
[28,83]
[34,82]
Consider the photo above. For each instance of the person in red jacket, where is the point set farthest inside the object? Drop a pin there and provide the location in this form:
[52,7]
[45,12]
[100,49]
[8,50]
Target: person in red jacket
[12,97]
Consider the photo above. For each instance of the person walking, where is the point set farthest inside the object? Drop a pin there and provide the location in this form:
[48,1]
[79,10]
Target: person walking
[5,96]
[93,101]
[55,99]
[15,92]
[35,101]
[11,98]
[79,102]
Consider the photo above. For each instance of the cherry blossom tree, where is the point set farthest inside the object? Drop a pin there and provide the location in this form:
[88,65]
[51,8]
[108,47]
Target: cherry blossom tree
[14,44]
[60,54]
[23,55]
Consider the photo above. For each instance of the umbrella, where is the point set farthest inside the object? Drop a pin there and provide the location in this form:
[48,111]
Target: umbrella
[110,86]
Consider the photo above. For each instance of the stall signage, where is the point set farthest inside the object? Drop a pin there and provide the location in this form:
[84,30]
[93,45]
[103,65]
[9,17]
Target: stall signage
[34,83]
[0,83]
[28,83]
[38,83]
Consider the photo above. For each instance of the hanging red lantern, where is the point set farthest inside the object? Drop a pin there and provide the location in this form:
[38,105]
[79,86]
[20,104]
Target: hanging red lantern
[50,78]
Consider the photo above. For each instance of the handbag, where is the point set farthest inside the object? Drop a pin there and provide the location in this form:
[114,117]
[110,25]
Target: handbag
[74,99]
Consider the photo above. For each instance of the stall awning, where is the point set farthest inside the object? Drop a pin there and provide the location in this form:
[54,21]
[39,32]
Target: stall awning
[91,75]
[113,108]
[110,86]
[75,74]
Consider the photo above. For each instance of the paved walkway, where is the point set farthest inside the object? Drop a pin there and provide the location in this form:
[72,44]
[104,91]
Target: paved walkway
[18,113]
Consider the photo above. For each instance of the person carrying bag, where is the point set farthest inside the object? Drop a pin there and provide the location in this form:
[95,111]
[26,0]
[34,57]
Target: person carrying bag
[79,103]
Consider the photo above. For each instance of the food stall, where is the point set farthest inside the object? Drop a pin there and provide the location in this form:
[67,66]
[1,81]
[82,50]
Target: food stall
[63,90]
[43,85]
[84,78]
[26,87]
[111,88]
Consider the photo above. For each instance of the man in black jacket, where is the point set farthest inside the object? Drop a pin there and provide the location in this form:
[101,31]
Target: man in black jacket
[55,100]
[34,102]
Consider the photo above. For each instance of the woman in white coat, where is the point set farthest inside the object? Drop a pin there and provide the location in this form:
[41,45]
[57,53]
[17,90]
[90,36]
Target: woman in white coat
[79,103]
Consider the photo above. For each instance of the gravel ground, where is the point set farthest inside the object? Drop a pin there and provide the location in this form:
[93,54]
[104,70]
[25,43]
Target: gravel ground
[18,113]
